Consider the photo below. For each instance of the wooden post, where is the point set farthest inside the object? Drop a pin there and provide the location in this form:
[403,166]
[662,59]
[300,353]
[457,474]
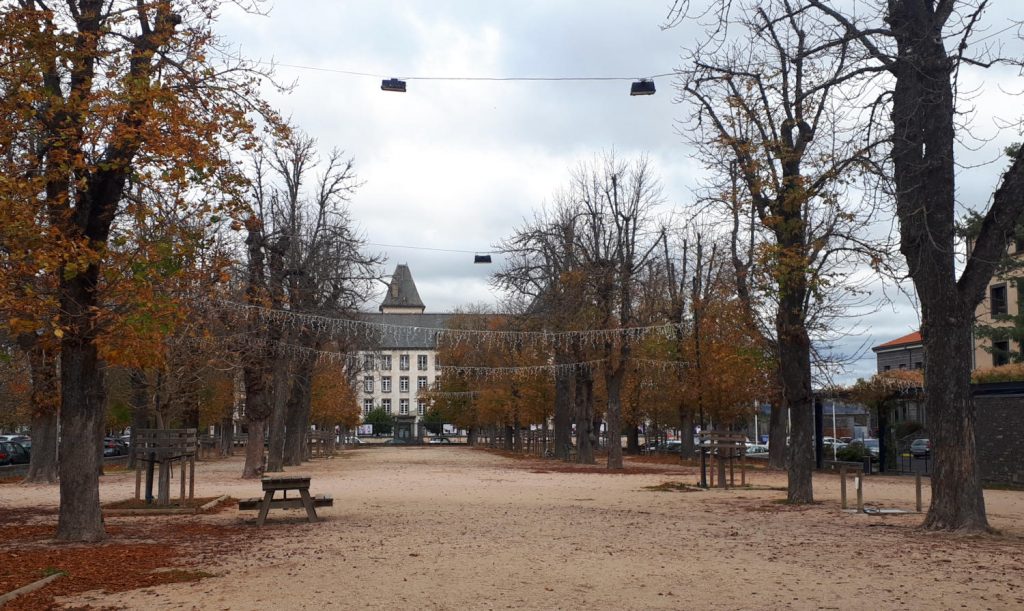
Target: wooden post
[859,480]
[138,473]
[842,487]
[163,493]
[917,486]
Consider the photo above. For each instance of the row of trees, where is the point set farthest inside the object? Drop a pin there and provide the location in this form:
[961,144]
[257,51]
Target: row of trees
[122,180]
[134,151]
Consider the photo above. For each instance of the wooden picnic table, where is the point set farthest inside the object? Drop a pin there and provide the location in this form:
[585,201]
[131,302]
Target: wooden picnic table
[283,484]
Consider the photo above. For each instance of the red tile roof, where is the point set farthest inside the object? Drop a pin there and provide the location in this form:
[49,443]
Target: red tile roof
[911,338]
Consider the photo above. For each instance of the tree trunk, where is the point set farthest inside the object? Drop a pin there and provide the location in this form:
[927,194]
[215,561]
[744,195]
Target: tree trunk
[257,411]
[778,430]
[613,415]
[563,413]
[632,438]
[584,418]
[140,408]
[509,439]
[81,414]
[253,468]
[297,419]
[795,367]
[227,436]
[45,404]
[279,392]
[686,448]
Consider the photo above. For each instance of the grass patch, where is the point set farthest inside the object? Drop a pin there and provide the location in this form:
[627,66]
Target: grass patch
[674,487]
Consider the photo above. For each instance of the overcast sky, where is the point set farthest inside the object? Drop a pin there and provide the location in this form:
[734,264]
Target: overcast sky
[457,165]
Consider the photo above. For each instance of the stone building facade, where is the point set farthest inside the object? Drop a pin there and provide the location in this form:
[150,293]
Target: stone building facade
[403,358]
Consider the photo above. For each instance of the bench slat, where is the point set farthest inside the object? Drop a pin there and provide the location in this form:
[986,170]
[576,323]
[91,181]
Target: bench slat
[254,503]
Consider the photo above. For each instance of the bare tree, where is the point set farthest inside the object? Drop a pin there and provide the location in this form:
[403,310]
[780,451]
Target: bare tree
[919,48]
[304,256]
[770,102]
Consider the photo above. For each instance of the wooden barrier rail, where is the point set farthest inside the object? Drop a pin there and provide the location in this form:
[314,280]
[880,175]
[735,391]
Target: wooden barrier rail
[162,448]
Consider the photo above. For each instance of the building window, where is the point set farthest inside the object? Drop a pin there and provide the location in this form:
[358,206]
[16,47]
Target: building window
[367,383]
[368,362]
[403,362]
[386,404]
[421,382]
[997,299]
[1000,353]
[403,407]
[385,362]
[367,406]
[421,362]
[919,365]
[421,407]
[887,368]
[403,384]
[385,384]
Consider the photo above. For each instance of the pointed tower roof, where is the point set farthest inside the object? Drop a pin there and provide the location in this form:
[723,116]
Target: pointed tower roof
[402,296]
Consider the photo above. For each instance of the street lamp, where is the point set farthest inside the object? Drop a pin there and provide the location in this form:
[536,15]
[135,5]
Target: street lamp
[393,84]
[642,87]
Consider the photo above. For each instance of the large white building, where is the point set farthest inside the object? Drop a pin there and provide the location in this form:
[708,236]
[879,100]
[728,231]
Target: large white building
[404,355]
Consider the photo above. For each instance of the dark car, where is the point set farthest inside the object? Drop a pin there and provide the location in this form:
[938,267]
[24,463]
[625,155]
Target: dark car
[12,453]
[112,446]
[921,448]
[396,441]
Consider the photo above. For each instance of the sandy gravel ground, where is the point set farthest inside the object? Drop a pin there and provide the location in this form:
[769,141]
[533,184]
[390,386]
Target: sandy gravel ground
[457,528]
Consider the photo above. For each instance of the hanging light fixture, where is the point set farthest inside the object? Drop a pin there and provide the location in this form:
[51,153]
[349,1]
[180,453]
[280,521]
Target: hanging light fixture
[642,87]
[481,258]
[393,84]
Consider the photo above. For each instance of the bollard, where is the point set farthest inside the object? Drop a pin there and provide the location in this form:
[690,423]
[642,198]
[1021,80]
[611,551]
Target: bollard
[859,482]
[842,487]
[917,485]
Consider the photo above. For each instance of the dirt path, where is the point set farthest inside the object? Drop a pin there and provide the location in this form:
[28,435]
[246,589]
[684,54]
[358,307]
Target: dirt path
[452,528]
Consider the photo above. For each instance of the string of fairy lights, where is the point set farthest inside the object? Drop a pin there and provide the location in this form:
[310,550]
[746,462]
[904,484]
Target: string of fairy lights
[396,334]
[348,327]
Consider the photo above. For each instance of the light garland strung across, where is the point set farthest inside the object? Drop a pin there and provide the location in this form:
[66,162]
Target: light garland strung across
[451,394]
[240,341]
[529,370]
[399,333]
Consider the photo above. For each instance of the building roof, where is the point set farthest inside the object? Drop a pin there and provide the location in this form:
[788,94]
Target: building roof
[411,331]
[911,339]
[402,291]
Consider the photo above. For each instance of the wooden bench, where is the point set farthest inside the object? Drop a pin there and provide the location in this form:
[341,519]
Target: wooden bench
[284,483]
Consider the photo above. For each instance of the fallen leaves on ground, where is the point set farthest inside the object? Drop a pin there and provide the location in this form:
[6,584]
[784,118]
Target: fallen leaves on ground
[138,553]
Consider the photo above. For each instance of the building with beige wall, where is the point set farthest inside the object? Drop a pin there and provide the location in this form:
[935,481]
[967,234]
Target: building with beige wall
[1002,298]
[403,358]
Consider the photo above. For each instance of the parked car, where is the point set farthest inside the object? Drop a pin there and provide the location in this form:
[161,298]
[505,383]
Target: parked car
[16,438]
[396,441]
[870,444]
[12,453]
[921,448]
[756,449]
[113,446]
[437,440]
[669,447]
[352,441]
